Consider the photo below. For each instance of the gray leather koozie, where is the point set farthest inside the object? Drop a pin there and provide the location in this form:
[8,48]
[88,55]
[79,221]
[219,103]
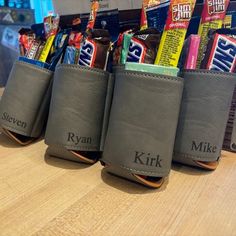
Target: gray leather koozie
[203,116]
[142,126]
[230,132]
[233,137]
[76,119]
[25,102]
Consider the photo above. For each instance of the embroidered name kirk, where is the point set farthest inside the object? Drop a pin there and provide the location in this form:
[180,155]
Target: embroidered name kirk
[203,147]
[76,139]
[147,159]
[13,120]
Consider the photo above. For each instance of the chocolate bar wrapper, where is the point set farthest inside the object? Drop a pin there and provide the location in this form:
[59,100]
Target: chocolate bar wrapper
[222,54]
[143,46]
[31,53]
[94,50]
[70,55]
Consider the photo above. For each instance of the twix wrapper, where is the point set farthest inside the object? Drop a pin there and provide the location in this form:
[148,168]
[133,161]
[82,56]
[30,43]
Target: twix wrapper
[213,15]
[172,41]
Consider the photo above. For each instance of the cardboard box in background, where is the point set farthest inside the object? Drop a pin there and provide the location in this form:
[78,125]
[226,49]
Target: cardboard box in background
[69,7]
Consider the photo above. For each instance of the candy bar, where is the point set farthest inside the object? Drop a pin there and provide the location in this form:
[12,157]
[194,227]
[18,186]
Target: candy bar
[94,50]
[143,46]
[190,52]
[93,14]
[31,53]
[51,25]
[222,54]
[213,14]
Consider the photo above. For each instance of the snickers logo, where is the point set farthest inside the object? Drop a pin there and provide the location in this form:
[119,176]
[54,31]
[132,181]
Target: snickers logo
[216,6]
[181,12]
[223,57]
[88,53]
[137,51]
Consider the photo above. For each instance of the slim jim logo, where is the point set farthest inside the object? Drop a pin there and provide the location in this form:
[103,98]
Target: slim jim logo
[216,6]
[181,12]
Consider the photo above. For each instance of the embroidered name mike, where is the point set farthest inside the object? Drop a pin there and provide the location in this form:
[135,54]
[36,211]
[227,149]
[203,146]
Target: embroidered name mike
[223,54]
[88,53]
[76,139]
[13,120]
[137,51]
[203,147]
[146,159]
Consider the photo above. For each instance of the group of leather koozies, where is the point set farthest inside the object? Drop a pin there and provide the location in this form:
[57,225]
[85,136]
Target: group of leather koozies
[134,123]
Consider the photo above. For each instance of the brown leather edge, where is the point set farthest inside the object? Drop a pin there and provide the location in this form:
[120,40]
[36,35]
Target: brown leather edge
[15,139]
[208,165]
[152,184]
[83,158]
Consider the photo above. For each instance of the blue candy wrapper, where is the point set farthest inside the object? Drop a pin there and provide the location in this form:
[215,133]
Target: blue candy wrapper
[70,55]
[157,15]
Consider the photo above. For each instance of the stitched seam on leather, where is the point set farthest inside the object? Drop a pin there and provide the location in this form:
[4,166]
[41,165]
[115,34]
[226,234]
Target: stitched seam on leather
[74,67]
[190,156]
[132,169]
[86,147]
[144,172]
[15,130]
[35,67]
[151,77]
[226,76]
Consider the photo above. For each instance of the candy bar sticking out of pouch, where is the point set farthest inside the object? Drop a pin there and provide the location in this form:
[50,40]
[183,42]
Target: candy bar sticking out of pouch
[220,54]
[26,38]
[143,46]
[93,15]
[95,49]
[51,25]
[213,15]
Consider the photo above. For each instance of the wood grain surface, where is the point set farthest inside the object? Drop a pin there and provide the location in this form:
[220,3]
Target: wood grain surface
[41,195]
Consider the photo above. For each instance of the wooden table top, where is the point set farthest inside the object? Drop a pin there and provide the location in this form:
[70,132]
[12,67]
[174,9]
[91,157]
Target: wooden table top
[41,195]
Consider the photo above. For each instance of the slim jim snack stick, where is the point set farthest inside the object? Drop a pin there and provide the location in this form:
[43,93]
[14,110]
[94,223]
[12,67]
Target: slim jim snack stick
[179,15]
[213,15]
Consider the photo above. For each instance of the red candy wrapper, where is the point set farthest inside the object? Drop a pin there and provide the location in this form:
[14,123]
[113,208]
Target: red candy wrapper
[93,14]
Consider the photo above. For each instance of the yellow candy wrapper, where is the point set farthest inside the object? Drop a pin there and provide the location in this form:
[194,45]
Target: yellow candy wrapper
[172,41]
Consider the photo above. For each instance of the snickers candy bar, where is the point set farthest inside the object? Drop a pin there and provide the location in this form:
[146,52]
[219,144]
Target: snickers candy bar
[143,46]
[221,54]
[95,49]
